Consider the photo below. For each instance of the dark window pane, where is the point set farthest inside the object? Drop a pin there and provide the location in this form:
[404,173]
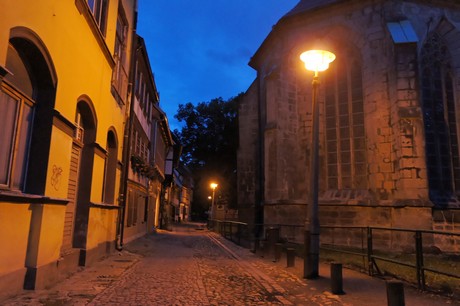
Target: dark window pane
[91,5]
[344,133]
[343,108]
[359,143]
[361,169]
[22,147]
[330,110]
[344,120]
[358,131]
[345,145]
[360,156]
[346,183]
[332,183]
[440,132]
[332,158]
[8,107]
[345,158]
[331,134]
[332,146]
[332,170]
[361,182]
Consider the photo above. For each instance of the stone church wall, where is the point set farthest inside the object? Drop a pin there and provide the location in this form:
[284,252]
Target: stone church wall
[397,193]
[248,161]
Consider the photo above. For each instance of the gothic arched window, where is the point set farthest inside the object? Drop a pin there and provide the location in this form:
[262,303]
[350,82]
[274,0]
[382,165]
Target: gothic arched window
[345,136]
[438,102]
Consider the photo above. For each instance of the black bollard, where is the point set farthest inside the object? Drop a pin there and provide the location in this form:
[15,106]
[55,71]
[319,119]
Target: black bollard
[278,250]
[336,278]
[272,236]
[263,248]
[395,293]
[290,256]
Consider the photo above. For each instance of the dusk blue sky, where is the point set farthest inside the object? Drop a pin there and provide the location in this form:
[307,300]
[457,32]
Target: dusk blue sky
[200,49]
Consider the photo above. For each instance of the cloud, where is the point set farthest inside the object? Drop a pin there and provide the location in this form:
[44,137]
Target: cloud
[229,57]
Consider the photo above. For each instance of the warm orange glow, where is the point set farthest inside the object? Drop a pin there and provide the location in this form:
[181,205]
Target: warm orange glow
[209,197]
[317,60]
[214,186]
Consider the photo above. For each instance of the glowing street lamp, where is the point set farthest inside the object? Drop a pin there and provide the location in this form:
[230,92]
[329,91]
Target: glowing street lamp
[213,187]
[316,61]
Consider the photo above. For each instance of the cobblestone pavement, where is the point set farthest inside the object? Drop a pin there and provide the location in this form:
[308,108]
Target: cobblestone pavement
[188,268]
[196,267]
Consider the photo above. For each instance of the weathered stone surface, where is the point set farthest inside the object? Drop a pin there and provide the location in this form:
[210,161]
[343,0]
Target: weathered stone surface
[396,178]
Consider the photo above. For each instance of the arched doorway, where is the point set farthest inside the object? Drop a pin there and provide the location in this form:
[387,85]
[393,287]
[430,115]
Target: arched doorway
[86,123]
[110,168]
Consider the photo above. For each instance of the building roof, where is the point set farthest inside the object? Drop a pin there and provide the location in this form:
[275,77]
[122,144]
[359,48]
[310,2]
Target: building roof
[303,7]
[307,5]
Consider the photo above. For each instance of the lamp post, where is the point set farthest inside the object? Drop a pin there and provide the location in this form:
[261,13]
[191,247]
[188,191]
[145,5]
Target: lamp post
[316,61]
[213,211]
[210,206]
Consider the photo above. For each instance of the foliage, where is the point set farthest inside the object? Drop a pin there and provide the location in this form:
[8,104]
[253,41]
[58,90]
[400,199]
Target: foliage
[210,141]
[140,167]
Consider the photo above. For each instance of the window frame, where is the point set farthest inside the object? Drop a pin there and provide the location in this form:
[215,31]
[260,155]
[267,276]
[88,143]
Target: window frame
[120,75]
[17,134]
[344,127]
[443,166]
[100,8]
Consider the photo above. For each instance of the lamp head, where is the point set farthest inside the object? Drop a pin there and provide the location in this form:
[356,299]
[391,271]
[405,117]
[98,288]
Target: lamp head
[213,185]
[317,60]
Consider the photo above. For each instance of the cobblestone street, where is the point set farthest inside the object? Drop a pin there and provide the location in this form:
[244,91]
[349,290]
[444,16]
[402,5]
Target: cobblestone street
[187,269]
[191,266]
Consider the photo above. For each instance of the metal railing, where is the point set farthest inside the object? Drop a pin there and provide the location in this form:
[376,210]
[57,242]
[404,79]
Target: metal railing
[402,247]
[414,249]
[235,231]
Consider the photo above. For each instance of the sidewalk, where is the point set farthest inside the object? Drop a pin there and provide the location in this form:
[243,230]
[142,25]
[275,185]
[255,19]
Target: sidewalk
[287,283]
[360,289]
[81,287]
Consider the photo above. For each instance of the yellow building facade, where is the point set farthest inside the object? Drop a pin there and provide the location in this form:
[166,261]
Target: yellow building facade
[64,74]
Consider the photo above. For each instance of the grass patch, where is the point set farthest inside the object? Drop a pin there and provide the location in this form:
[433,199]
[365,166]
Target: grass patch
[434,281]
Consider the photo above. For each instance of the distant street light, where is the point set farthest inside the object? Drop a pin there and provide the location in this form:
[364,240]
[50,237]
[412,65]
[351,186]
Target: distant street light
[315,60]
[213,211]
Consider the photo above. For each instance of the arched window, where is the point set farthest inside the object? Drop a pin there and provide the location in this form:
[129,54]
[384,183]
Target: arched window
[438,102]
[26,113]
[345,136]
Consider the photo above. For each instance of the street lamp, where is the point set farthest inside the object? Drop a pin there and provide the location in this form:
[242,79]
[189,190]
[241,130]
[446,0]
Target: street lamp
[316,61]
[213,187]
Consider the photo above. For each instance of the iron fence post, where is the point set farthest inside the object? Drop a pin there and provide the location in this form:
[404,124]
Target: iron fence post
[239,234]
[419,260]
[231,232]
[369,251]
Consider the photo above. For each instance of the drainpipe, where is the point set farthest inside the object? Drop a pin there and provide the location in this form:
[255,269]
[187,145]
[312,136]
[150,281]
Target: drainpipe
[127,135]
[260,178]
